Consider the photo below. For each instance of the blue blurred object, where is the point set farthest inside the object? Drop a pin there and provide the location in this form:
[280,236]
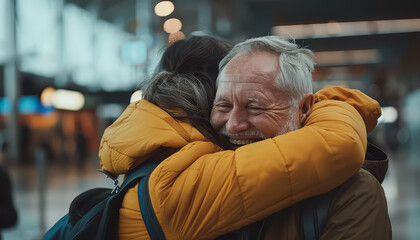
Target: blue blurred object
[27,105]
[5,106]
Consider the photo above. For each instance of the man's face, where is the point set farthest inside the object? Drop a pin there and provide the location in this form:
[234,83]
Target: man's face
[248,106]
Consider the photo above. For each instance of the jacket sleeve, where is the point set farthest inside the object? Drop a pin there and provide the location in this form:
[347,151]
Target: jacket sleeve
[199,194]
[362,198]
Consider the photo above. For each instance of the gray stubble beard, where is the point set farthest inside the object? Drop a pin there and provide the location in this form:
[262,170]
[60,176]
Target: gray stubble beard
[292,122]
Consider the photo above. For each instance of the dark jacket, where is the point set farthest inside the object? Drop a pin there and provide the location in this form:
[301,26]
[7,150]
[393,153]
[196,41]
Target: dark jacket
[357,211]
[8,216]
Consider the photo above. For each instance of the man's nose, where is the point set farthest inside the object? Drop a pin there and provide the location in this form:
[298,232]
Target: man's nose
[237,122]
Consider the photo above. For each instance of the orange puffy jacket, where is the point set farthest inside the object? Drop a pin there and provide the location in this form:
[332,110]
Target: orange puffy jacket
[202,192]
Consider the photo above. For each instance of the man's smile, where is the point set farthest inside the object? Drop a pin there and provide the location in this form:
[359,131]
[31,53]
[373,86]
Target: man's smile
[241,142]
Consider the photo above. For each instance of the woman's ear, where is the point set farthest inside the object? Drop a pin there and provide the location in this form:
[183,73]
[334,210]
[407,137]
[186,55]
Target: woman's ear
[305,107]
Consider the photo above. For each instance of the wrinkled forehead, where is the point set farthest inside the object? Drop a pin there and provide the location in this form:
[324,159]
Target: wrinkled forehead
[250,66]
[259,60]
[251,77]
[255,88]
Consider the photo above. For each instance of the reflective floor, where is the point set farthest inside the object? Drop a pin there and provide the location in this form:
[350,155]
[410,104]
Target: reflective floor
[64,182]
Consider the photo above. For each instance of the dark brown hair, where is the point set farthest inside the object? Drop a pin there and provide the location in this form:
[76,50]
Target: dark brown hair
[196,54]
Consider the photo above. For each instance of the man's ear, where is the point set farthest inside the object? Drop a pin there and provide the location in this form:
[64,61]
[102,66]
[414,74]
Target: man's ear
[305,107]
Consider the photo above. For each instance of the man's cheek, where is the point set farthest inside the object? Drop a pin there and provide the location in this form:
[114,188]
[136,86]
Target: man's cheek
[215,119]
[212,117]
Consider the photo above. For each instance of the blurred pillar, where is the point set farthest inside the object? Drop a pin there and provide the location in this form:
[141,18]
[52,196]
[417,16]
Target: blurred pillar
[204,15]
[12,84]
[94,7]
[62,76]
[144,10]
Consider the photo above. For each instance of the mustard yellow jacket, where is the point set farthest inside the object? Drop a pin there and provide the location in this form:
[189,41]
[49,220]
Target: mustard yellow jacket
[202,192]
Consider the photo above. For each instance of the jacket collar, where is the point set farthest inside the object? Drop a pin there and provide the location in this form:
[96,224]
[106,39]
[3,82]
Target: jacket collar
[376,162]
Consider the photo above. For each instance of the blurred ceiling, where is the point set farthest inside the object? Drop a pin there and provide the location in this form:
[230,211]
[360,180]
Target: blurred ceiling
[237,20]
[249,18]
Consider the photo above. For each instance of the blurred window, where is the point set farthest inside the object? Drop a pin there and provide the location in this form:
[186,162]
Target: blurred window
[3,40]
[91,47]
[93,51]
[114,74]
[37,36]
[78,44]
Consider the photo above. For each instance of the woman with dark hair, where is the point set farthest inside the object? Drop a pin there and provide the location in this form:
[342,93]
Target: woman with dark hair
[195,191]
[199,57]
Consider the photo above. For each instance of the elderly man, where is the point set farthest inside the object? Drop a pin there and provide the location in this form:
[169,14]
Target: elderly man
[264,90]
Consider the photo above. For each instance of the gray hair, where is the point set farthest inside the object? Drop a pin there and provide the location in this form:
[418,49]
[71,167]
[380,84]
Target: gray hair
[192,93]
[174,91]
[296,64]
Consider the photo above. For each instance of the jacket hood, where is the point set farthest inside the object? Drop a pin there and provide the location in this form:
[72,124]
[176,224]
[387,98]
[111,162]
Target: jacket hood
[376,162]
[135,136]
[366,106]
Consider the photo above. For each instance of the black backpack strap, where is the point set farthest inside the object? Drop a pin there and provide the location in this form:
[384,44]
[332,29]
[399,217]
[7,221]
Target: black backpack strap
[113,205]
[315,215]
[147,212]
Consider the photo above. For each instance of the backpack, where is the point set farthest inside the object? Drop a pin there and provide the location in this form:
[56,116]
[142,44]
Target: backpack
[315,215]
[94,214]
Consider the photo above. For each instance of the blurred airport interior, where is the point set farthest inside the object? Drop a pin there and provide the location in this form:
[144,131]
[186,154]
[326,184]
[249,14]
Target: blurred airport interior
[68,68]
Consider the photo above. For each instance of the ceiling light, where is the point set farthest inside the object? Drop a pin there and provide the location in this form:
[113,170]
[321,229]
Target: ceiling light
[343,29]
[333,27]
[348,57]
[136,96]
[164,8]
[389,115]
[47,96]
[172,25]
[68,100]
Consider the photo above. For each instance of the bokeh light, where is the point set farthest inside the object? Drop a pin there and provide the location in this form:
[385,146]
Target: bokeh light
[172,25]
[174,37]
[136,96]
[47,96]
[164,8]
